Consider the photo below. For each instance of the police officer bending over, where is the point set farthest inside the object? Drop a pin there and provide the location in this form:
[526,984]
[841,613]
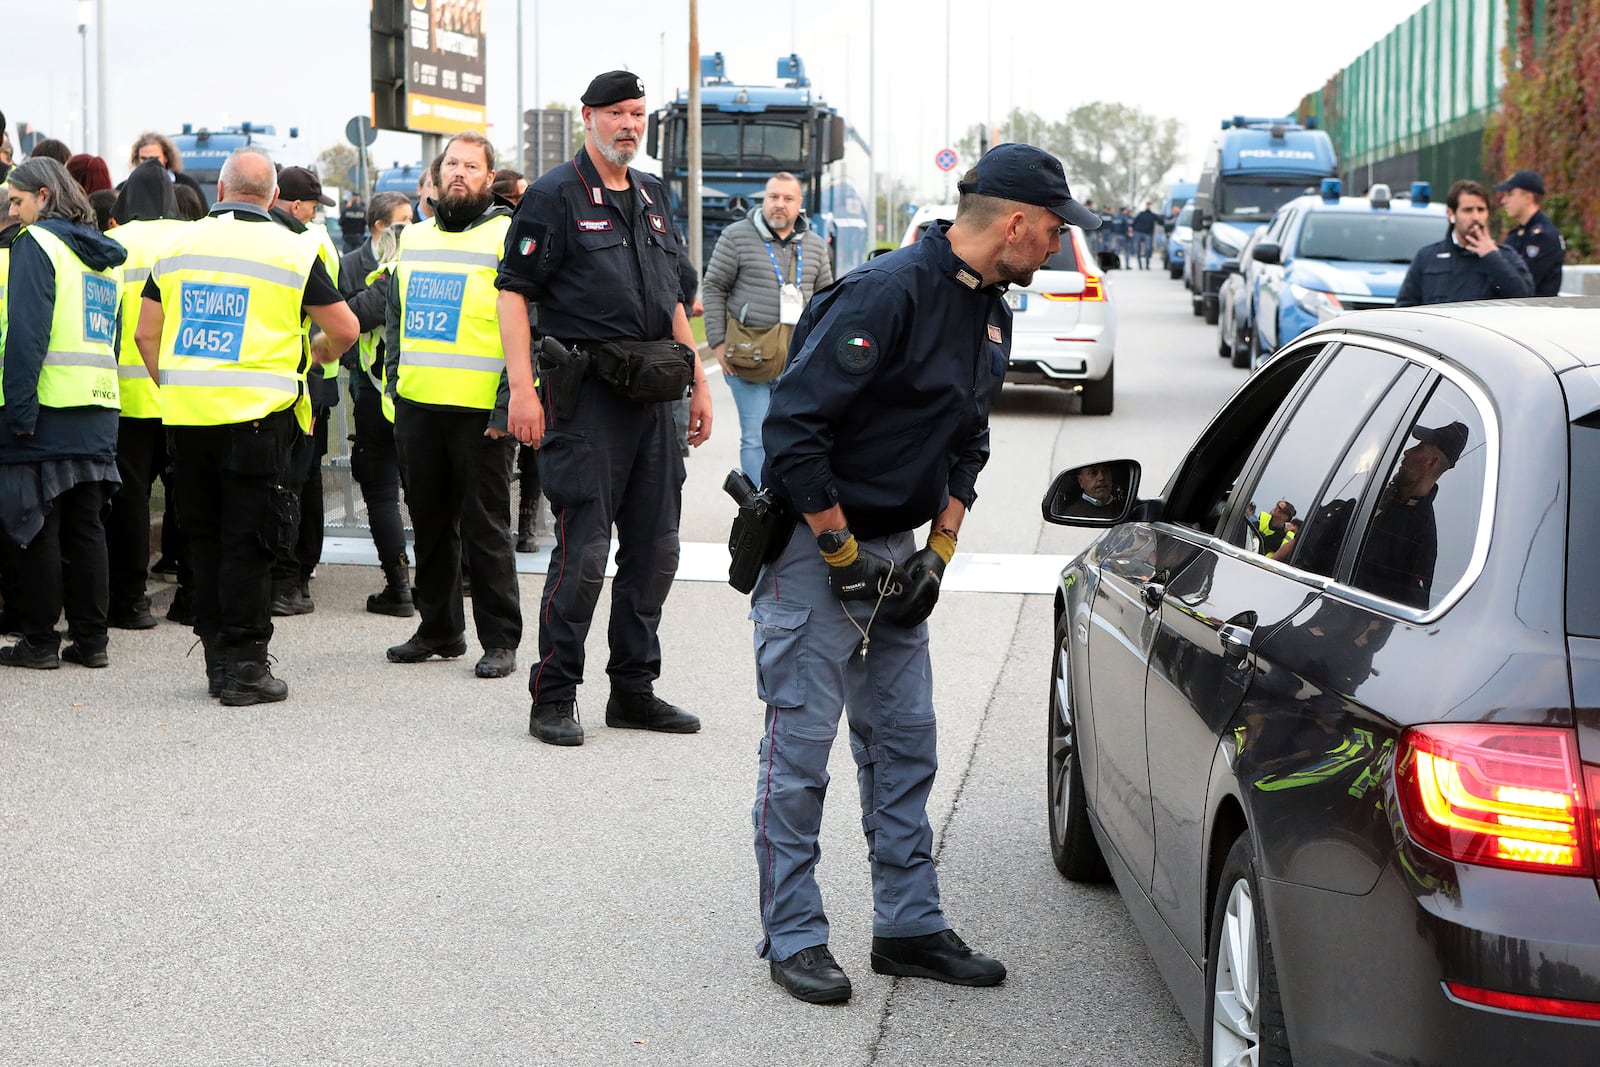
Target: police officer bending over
[1467,264]
[592,244]
[879,425]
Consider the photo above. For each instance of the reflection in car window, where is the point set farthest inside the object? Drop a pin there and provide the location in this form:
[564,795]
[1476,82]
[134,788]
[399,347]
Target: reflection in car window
[1319,431]
[1318,545]
[1421,535]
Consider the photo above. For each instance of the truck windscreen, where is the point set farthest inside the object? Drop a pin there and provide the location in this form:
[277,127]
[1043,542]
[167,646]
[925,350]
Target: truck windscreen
[752,143]
[1255,201]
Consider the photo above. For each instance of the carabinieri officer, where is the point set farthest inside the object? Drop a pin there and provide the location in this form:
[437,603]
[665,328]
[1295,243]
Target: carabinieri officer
[592,244]
[880,425]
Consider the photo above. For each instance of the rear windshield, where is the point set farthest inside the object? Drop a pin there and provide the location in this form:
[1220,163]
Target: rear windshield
[1379,237]
[1583,532]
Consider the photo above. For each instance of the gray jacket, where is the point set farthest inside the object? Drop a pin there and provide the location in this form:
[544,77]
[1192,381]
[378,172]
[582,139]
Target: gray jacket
[740,282]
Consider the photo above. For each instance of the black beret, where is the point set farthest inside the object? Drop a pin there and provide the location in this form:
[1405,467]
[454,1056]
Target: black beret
[612,86]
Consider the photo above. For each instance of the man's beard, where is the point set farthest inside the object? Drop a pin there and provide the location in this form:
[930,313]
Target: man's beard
[776,225]
[461,206]
[618,155]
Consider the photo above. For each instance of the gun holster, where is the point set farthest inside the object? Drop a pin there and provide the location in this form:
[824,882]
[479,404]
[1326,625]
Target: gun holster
[761,530]
[562,371]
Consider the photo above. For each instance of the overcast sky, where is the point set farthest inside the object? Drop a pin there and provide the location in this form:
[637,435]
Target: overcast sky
[305,62]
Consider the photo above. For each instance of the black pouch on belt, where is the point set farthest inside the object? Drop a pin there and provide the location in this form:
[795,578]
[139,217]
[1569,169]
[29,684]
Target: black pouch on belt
[646,372]
[562,371]
[761,530]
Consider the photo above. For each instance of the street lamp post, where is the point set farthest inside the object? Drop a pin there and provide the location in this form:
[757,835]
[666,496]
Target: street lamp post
[85,7]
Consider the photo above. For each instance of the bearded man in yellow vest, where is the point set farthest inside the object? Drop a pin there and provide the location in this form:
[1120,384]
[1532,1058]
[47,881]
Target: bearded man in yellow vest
[146,217]
[445,367]
[222,331]
[58,425]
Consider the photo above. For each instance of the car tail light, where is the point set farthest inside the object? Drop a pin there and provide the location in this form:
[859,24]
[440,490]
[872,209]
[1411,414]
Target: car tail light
[1093,286]
[1492,998]
[1502,796]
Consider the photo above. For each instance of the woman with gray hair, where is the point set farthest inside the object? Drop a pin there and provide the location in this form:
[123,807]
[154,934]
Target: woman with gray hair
[58,425]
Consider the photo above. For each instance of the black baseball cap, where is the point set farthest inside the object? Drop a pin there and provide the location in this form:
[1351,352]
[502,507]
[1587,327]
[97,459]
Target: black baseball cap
[1450,439]
[1028,175]
[1523,179]
[612,86]
[298,183]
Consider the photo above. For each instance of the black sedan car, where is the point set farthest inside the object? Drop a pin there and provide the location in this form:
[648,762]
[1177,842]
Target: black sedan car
[1328,708]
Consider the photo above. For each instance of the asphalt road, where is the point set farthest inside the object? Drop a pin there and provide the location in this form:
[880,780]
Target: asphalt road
[386,869]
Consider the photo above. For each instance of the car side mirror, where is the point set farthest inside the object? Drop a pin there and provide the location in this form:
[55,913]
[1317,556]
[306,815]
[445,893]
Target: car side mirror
[1093,495]
[1200,221]
[1230,266]
[1267,253]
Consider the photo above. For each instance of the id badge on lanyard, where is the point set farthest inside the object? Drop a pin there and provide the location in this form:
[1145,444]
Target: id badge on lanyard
[790,300]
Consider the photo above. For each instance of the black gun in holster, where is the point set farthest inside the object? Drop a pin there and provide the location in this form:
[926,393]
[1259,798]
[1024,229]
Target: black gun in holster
[761,530]
[561,372]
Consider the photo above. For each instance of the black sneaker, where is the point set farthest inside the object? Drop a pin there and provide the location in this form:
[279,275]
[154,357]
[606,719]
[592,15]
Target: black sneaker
[943,956]
[646,711]
[812,975]
[182,609]
[35,657]
[556,723]
[288,599]
[496,663]
[75,653]
[132,619]
[417,650]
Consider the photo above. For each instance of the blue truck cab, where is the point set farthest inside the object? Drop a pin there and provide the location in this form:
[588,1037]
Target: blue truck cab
[1176,230]
[1327,254]
[1253,167]
[205,150]
[749,133]
[400,178]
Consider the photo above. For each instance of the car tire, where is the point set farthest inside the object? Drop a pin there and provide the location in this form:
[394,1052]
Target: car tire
[1196,304]
[1175,271]
[1241,350]
[1072,845]
[1210,309]
[1244,1015]
[1224,342]
[1098,396]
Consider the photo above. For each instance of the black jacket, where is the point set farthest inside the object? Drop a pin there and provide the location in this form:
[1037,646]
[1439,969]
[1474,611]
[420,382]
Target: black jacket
[32,433]
[1540,245]
[884,405]
[1444,273]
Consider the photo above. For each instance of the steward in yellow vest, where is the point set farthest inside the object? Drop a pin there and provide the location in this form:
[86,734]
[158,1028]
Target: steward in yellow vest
[222,324]
[445,366]
[58,428]
[146,219]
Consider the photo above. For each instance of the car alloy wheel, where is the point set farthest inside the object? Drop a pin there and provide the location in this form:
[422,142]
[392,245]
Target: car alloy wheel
[1245,1024]
[1072,845]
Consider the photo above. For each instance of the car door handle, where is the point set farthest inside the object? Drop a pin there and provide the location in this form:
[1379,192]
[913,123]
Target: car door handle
[1235,640]
[1152,593]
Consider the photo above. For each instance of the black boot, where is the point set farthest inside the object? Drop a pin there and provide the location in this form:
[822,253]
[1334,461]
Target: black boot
[182,609]
[248,679]
[527,536]
[216,668]
[396,596]
[287,599]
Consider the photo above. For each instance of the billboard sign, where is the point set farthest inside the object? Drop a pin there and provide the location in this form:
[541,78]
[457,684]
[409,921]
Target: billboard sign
[444,66]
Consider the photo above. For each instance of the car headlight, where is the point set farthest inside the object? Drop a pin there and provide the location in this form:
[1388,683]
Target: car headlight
[1316,302]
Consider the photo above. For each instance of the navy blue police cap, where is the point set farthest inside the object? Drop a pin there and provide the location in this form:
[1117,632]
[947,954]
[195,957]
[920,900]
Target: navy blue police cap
[1523,179]
[612,86]
[1028,175]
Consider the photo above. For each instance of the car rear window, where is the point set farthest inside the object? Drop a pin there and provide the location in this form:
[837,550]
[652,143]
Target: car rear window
[1583,532]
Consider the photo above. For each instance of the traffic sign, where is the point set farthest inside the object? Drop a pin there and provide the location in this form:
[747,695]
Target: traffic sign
[946,159]
[359,131]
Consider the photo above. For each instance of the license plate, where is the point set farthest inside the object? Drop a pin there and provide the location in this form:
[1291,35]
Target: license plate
[1018,301]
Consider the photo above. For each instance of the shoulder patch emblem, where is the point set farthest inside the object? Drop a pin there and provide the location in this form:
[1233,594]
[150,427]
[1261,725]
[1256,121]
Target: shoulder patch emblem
[1532,250]
[658,224]
[967,278]
[526,246]
[994,333]
[594,225]
[857,352]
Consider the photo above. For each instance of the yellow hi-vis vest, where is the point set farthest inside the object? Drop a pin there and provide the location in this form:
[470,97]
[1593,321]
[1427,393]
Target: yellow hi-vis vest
[80,364]
[143,240]
[233,339]
[330,260]
[450,351]
[367,350]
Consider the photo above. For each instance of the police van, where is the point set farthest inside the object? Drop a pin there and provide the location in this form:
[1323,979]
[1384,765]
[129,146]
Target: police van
[1254,167]
[204,150]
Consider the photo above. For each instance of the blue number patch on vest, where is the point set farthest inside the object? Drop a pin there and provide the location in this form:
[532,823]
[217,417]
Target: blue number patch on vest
[433,305]
[99,309]
[211,320]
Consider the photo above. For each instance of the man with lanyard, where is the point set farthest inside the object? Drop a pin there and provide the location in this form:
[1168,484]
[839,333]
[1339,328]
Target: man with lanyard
[1534,235]
[222,330]
[762,271]
[879,426]
[593,246]
[444,365]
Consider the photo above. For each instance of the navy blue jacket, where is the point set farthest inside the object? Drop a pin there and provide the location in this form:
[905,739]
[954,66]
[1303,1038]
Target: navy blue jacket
[1541,247]
[33,433]
[884,405]
[1444,272]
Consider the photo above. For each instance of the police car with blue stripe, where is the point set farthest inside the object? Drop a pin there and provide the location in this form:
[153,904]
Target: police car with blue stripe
[1326,254]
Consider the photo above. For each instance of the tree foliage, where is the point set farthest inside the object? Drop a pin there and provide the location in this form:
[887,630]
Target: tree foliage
[1113,153]
[336,166]
[1547,120]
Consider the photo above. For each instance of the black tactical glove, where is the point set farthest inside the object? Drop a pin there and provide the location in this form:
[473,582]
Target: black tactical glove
[854,573]
[925,571]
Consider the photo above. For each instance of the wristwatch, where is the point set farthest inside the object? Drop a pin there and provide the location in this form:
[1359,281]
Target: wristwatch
[831,541]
